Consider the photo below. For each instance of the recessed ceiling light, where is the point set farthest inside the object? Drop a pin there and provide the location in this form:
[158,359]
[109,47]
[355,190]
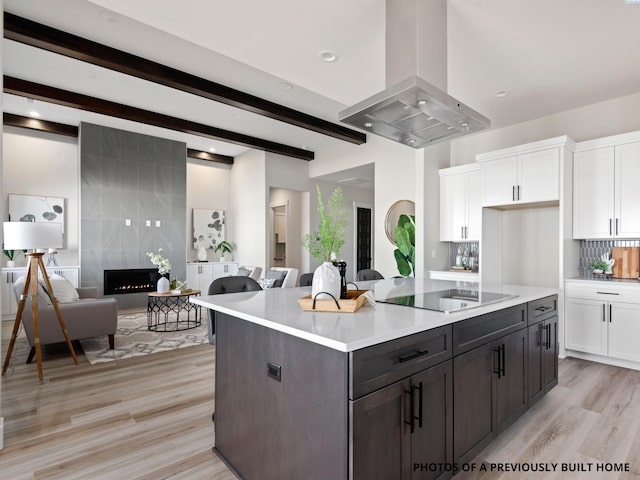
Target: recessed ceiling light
[286,86]
[33,113]
[212,149]
[422,102]
[109,16]
[328,56]
[368,124]
[502,93]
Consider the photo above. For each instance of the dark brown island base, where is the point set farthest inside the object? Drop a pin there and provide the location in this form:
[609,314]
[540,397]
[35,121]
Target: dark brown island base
[418,406]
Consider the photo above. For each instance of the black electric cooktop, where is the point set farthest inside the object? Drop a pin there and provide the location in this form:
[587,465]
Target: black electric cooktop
[450,300]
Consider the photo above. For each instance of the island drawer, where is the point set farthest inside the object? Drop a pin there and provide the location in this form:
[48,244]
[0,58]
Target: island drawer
[542,309]
[380,365]
[474,332]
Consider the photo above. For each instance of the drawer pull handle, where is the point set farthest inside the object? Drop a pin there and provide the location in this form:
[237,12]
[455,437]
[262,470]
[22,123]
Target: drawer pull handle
[542,309]
[411,356]
[608,293]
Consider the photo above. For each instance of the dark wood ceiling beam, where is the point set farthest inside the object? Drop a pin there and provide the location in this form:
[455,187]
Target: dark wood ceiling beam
[208,156]
[20,121]
[66,98]
[48,38]
[40,125]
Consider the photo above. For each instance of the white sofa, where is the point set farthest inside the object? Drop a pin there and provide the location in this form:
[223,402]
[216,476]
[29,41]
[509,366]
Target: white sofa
[290,278]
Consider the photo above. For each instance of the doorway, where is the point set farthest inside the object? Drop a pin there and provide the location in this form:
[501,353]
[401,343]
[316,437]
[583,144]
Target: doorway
[363,237]
[279,236]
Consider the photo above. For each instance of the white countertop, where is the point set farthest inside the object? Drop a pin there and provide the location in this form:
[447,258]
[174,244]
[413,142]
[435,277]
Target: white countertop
[278,309]
[600,279]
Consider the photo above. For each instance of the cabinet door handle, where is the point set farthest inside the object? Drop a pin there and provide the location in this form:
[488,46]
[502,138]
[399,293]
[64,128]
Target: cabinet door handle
[466,232]
[610,227]
[513,193]
[548,328]
[542,309]
[462,232]
[411,356]
[502,361]
[496,363]
[617,226]
[419,388]
[604,312]
[518,192]
[610,312]
[608,293]
[412,409]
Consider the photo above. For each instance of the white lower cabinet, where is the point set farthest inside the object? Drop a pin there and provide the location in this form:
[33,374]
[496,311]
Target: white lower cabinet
[200,275]
[603,320]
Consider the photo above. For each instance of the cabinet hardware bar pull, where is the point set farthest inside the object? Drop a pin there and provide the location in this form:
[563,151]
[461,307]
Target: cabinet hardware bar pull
[411,356]
[496,369]
[617,226]
[411,409]
[604,312]
[518,192]
[420,403]
[610,312]
[462,232]
[466,232]
[502,361]
[542,309]
[610,228]
[513,193]
[548,336]
[608,293]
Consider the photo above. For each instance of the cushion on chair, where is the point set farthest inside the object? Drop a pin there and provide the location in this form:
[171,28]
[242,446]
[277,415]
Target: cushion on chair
[63,290]
[43,297]
[243,272]
[278,276]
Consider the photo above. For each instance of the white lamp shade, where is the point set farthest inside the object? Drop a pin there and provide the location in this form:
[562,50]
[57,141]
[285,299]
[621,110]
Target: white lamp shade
[32,235]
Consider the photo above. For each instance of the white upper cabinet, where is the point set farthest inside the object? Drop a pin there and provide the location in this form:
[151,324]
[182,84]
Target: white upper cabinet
[524,174]
[460,210]
[606,197]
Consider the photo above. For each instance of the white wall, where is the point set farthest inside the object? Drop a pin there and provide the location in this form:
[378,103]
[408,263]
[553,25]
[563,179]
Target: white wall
[249,207]
[43,164]
[593,121]
[208,187]
[395,179]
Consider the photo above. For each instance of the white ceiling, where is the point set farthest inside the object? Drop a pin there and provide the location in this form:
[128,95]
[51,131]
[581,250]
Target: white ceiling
[551,55]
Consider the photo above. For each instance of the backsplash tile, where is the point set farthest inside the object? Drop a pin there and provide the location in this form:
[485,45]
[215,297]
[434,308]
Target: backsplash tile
[471,247]
[592,250]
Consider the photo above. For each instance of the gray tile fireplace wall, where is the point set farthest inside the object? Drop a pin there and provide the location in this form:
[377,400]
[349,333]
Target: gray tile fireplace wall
[131,178]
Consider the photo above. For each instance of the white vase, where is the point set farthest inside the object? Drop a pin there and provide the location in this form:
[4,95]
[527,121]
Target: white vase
[326,278]
[163,285]
[202,254]
[11,263]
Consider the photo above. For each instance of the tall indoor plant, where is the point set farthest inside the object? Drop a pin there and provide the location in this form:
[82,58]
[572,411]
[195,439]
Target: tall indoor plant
[405,236]
[325,243]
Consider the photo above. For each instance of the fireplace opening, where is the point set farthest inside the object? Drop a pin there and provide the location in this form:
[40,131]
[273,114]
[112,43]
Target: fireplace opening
[130,280]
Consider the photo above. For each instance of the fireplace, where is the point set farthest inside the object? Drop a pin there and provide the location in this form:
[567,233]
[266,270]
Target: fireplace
[130,280]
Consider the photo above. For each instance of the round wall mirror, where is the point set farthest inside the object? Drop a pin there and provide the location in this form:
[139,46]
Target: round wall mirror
[401,207]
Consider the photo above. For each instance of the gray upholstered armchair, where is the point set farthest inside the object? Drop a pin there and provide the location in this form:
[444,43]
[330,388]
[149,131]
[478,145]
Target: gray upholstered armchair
[89,316]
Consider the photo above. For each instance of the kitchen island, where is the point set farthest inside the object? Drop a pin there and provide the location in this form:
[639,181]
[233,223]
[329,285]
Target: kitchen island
[372,394]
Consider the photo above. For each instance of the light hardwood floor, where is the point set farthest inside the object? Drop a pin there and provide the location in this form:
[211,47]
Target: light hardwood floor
[150,418]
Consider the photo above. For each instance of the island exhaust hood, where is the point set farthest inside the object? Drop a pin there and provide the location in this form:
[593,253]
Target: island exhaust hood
[412,110]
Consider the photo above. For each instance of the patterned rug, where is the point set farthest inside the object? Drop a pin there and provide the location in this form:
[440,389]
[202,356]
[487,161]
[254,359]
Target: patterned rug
[133,340]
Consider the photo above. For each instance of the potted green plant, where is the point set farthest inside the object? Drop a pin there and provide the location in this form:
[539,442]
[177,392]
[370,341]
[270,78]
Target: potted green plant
[11,255]
[599,266]
[405,236]
[224,247]
[325,243]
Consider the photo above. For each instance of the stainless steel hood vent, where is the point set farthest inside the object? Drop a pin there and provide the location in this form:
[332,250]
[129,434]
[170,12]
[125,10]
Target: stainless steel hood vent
[415,112]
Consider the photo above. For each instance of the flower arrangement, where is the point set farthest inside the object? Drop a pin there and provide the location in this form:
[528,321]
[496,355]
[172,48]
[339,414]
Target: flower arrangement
[325,243]
[163,264]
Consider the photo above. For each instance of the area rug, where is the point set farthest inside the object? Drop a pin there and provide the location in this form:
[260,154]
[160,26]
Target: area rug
[133,339]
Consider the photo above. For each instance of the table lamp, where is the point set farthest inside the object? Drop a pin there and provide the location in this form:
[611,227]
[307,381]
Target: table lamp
[35,237]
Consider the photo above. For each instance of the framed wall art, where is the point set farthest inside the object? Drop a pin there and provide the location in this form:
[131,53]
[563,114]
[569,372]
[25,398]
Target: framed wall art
[30,208]
[208,228]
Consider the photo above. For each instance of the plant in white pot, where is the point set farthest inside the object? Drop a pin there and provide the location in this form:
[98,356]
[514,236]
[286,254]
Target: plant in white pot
[11,255]
[224,247]
[324,244]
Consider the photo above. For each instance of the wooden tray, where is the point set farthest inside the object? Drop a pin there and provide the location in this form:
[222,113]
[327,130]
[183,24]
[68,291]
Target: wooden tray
[351,304]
